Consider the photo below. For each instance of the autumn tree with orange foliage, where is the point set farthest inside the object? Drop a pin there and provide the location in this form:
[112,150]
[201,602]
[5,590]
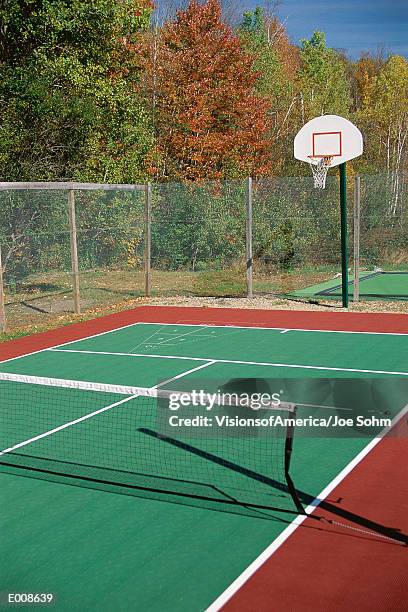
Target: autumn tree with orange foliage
[209,122]
[363,72]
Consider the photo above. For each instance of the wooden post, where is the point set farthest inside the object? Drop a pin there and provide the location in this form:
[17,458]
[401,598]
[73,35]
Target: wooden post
[249,254]
[74,251]
[357,201]
[148,238]
[3,324]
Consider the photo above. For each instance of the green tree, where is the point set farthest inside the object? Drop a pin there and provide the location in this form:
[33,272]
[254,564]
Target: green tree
[277,63]
[67,89]
[323,80]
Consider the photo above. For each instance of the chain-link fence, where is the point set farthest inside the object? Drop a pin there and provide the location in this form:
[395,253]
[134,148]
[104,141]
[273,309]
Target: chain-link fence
[67,246]
[198,239]
[383,224]
[296,231]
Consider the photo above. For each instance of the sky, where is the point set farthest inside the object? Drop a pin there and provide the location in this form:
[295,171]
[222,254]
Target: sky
[352,25]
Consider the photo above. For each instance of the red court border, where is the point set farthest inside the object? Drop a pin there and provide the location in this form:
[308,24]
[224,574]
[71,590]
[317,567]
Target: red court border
[337,321]
[334,569]
[330,570]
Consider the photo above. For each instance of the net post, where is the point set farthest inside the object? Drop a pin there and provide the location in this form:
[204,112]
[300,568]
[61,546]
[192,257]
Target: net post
[74,250]
[343,220]
[248,240]
[288,455]
[357,202]
[3,324]
[148,238]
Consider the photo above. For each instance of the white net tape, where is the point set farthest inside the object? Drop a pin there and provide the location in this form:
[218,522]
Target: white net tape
[320,170]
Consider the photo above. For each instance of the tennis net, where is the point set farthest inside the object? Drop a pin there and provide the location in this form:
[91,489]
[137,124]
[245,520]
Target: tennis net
[114,437]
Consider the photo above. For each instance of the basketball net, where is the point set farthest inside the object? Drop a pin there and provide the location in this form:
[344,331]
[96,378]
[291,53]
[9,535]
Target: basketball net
[320,171]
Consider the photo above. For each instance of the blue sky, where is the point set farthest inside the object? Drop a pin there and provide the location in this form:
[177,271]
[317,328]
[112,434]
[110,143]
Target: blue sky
[352,25]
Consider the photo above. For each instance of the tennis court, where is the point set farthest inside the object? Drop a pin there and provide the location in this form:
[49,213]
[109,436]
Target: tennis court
[79,407]
[377,285]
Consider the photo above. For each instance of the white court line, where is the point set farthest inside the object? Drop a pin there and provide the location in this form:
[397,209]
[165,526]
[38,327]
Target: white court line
[92,414]
[109,331]
[208,325]
[65,425]
[154,356]
[167,342]
[286,533]
[234,361]
[320,331]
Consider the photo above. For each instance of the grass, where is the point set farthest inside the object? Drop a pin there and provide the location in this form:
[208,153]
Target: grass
[270,280]
[45,301]
[224,283]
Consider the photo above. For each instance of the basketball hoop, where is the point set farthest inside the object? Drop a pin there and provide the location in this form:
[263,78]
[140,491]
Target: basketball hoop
[320,170]
[325,142]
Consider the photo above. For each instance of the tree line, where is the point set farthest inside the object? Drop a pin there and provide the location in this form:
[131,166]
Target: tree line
[101,92]
[98,92]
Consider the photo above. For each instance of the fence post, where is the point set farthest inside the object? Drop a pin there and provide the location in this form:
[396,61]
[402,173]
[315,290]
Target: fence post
[74,250]
[3,324]
[148,238]
[357,201]
[249,255]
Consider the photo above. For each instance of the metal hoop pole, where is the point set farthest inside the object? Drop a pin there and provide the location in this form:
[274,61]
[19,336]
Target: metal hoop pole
[343,219]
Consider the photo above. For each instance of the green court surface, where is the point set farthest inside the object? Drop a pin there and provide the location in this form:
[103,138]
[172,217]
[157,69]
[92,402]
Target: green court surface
[143,549]
[373,286]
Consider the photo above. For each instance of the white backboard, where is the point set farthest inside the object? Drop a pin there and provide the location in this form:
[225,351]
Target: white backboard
[328,136]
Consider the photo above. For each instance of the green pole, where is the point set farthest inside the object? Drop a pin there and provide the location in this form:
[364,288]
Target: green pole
[343,217]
